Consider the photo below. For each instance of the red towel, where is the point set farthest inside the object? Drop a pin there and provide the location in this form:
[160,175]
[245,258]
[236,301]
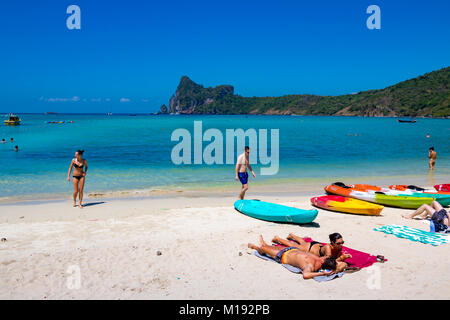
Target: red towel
[359,259]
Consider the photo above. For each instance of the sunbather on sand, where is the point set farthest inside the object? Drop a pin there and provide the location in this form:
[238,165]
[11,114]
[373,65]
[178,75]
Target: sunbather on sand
[333,249]
[434,211]
[309,263]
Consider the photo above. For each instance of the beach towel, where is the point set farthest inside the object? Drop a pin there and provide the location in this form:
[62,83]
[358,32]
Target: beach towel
[359,259]
[413,234]
[298,270]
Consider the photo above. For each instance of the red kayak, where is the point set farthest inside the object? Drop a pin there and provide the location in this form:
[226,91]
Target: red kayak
[442,187]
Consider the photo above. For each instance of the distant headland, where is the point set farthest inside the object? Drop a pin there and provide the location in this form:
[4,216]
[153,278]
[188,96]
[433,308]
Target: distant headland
[425,96]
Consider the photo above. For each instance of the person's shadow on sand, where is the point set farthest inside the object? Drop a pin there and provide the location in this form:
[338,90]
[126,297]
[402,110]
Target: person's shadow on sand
[93,204]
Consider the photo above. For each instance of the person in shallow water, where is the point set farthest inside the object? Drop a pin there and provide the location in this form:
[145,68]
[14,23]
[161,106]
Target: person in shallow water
[309,263]
[80,167]
[432,155]
[241,171]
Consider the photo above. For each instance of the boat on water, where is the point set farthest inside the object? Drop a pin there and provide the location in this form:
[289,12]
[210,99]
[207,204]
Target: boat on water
[407,120]
[13,120]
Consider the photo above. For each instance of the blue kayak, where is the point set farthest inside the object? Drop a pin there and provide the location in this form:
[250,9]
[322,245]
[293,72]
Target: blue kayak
[274,212]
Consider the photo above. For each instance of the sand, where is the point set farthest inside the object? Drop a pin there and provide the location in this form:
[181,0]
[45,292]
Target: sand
[195,247]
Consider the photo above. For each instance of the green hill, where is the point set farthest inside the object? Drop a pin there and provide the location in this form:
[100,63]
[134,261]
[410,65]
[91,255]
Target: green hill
[426,95]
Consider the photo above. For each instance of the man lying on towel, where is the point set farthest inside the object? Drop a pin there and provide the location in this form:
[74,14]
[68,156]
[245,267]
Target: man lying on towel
[309,263]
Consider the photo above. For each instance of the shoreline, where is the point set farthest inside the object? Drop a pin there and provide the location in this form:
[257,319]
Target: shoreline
[287,186]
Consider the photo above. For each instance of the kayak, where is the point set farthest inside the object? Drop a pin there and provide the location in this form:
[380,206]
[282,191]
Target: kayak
[274,212]
[401,187]
[442,187]
[341,189]
[347,205]
[442,198]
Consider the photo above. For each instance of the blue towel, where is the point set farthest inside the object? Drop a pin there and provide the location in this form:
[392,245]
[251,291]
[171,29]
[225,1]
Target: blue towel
[298,270]
[413,234]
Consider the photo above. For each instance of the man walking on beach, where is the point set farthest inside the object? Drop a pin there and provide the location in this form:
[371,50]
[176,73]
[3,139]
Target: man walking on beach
[432,156]
[241,171]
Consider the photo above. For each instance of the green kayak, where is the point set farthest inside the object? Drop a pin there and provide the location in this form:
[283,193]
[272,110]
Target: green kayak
[443,199]
[407,202]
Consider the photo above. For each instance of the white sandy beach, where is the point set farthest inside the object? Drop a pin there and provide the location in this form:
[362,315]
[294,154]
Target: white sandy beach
[204,254]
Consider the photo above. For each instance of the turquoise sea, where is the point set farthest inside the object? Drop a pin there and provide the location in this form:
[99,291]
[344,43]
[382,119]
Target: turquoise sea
[134,152]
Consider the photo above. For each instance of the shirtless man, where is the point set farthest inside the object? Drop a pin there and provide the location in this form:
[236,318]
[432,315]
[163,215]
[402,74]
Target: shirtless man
[432,156]
[241,171]
[309,263]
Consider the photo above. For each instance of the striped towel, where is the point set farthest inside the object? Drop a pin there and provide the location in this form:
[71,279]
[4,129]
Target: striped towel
[414,234]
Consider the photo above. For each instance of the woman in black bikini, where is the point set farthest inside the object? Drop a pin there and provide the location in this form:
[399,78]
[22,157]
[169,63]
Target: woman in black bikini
[333,249]
[79,176]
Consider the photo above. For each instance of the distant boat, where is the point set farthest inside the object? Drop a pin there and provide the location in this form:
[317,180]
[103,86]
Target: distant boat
[50,112]
[407,121]
[109,114]
[12,121]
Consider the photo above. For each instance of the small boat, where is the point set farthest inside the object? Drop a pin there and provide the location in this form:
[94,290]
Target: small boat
[12,121]
[274,212]
[407,202]
[347,205]
[407,121]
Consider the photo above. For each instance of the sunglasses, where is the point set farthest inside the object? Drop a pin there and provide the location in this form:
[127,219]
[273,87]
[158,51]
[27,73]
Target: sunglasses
[339,243]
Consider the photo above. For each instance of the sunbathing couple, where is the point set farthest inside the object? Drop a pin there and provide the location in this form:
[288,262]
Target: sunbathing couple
[308,256]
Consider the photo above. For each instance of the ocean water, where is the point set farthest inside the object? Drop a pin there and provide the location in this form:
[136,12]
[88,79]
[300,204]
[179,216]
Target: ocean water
[134,152]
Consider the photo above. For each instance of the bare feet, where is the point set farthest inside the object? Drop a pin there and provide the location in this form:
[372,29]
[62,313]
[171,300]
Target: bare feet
[406,216]
[80,206]
[253,246]
[276,239]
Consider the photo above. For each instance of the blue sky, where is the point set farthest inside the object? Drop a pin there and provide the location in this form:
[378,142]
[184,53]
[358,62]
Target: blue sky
[134,52]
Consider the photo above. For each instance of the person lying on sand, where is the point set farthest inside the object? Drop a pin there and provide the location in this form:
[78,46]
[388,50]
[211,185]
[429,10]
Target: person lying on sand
[434,211]
[333,249]
[309,263]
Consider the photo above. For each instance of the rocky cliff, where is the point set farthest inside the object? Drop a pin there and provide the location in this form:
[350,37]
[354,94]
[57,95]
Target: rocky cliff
[426,95]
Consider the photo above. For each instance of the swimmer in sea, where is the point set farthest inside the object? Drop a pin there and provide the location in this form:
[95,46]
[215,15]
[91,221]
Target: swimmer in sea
[432,155]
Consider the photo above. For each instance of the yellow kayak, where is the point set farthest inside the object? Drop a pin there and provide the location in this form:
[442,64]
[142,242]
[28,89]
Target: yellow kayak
[347,205]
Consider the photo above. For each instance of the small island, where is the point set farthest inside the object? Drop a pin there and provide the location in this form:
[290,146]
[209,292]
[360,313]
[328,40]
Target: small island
[425,96]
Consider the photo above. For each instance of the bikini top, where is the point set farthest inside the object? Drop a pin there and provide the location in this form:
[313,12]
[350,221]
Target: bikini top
[77,166]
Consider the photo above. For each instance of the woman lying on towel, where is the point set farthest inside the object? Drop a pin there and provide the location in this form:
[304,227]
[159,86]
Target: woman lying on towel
[333,249]
[309,263]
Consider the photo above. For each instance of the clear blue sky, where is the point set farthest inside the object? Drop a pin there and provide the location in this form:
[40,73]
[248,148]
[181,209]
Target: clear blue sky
[138,50]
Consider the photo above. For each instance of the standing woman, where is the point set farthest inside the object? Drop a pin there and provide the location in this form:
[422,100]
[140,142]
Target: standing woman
[79,176]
